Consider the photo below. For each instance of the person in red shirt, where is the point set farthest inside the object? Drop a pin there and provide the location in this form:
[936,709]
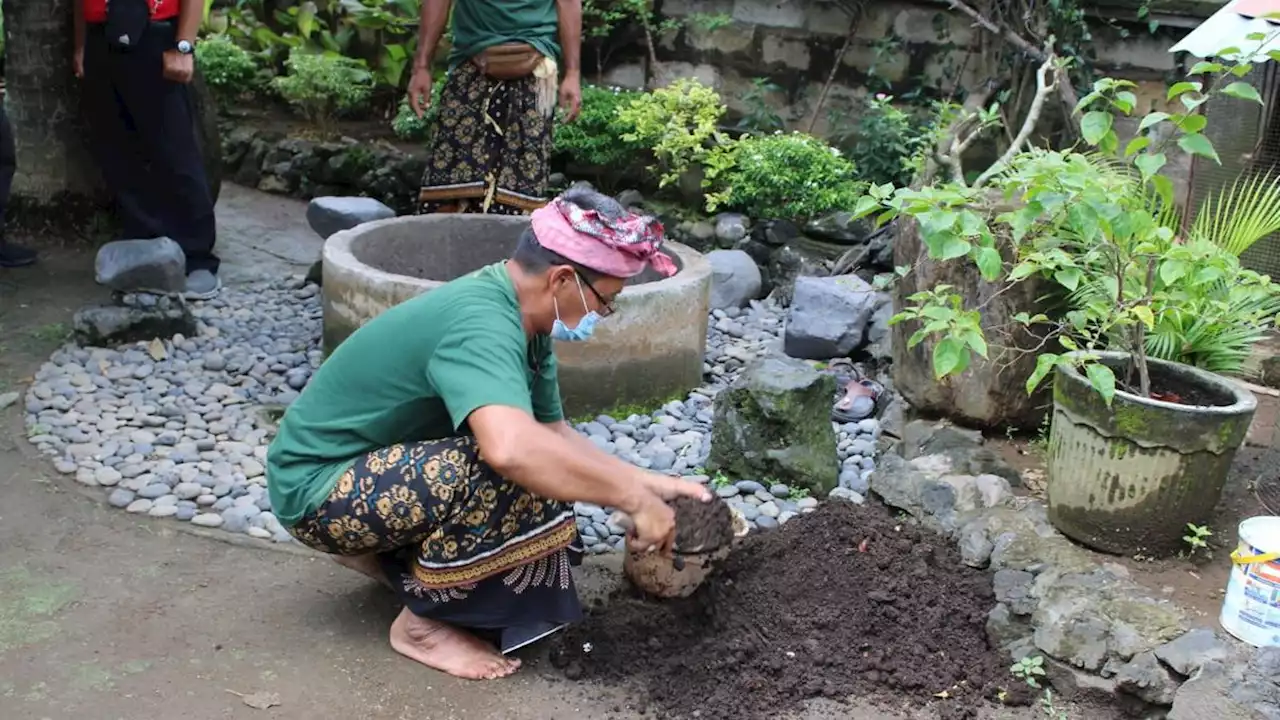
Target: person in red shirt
[136,58]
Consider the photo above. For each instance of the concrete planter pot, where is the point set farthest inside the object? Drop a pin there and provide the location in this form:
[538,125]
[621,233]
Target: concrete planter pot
[1127,479]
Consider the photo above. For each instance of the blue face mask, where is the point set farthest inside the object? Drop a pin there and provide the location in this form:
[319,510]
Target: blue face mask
[586,326]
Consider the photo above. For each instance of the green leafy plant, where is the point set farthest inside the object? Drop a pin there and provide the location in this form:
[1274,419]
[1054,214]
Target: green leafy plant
[228,68]
[1091,223]
[1197,538]
[720,480]
[791,176]
[382,34]
[760,117]
[408,126]
[797,494]
[886,140]
[1029,670]
[322,87]
[596,137]
[678,124]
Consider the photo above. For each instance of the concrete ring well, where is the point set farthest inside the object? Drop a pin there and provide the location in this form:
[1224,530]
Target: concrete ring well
[651,350]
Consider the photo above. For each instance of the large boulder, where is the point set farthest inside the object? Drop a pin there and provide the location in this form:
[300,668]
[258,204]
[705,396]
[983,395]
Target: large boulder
[991,393]
[774,424]
[157,265]
[735,279]
[829,316]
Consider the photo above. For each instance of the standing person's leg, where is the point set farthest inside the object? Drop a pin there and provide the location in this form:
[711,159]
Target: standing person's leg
[10,255]
[458,159]
[522,151]
[164,117]
[114,138]
[462,547]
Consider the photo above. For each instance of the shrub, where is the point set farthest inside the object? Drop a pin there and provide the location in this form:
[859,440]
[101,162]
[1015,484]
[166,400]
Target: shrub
[228,68]
[407,125]
[322,87]
[886,140]
[678,124]
[595,138]
[790,176]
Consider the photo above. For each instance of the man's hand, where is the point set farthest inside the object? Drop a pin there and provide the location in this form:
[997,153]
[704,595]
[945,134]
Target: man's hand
[654,525]
[420,90]
[77,61]
[571,96]
[670,488]
[179,67]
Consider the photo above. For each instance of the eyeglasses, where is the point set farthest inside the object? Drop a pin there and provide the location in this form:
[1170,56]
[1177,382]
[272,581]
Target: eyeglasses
[606,307]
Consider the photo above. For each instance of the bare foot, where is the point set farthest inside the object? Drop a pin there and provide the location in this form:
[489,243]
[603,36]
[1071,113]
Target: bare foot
[365,565]
[448,649]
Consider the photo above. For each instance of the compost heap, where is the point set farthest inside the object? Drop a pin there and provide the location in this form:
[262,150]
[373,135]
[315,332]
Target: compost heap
[845,601]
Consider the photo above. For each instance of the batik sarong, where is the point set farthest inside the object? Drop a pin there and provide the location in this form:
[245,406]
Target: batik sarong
[491,146]
[459,543]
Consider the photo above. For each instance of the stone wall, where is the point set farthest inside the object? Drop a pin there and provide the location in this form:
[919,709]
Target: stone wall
[274,163]
[795,44]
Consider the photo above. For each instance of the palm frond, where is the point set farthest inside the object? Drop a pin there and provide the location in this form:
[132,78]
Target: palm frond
[1240,214]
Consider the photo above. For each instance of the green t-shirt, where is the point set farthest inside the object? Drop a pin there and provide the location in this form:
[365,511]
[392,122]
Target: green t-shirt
[481,24]
[415,372]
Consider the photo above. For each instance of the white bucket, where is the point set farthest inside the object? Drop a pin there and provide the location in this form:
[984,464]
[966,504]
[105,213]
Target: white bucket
[1251,608]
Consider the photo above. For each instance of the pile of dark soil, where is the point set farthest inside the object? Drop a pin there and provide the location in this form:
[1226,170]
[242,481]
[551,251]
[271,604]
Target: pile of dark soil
[702,525]
[844,601]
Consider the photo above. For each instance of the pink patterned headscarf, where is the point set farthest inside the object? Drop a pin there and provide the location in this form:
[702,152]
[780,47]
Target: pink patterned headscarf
[620,247]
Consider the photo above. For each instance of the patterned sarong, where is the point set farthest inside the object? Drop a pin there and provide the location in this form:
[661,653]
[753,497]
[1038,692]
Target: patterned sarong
[460,544]
[491,146]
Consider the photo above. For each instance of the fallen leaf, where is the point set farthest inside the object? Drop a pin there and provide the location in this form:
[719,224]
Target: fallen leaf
[260,700]
[156,350]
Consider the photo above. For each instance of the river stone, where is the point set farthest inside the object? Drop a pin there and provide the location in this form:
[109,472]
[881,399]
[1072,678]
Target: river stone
[157,265]
[735,279]
[331,214]
[829,316]
[774,421]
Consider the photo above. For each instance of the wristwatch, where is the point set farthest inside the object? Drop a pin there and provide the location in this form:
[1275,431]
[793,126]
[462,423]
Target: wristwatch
[186,47]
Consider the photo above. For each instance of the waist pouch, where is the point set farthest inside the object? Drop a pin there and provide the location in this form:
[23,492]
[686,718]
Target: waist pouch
[508,61]
[126,22]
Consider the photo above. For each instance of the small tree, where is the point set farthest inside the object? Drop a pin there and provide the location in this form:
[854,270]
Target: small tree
[1100,225]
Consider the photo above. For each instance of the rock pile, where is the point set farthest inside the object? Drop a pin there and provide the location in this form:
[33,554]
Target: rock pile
[1103,637]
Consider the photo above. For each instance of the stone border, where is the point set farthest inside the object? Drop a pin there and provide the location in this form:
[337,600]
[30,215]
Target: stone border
[1103,637]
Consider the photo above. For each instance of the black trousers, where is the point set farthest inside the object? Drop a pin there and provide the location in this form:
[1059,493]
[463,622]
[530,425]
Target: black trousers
[8,164]
[144,136]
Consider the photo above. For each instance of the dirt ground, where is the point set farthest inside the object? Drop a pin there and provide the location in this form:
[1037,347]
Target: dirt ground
[1197,582]
[105,615]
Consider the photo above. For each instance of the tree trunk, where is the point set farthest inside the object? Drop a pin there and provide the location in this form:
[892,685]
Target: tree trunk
[43,101]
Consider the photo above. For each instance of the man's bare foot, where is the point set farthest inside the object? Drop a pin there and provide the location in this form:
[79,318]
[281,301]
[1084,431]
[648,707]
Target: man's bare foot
[448,649]
[365,565]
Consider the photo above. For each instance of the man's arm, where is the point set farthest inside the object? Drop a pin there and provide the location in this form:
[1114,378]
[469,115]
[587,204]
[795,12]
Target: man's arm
[569,15]
[548,461]
[190,15]
[435,14]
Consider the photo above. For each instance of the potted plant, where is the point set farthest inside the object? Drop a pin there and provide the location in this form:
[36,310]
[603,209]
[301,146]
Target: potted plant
[1139,446]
